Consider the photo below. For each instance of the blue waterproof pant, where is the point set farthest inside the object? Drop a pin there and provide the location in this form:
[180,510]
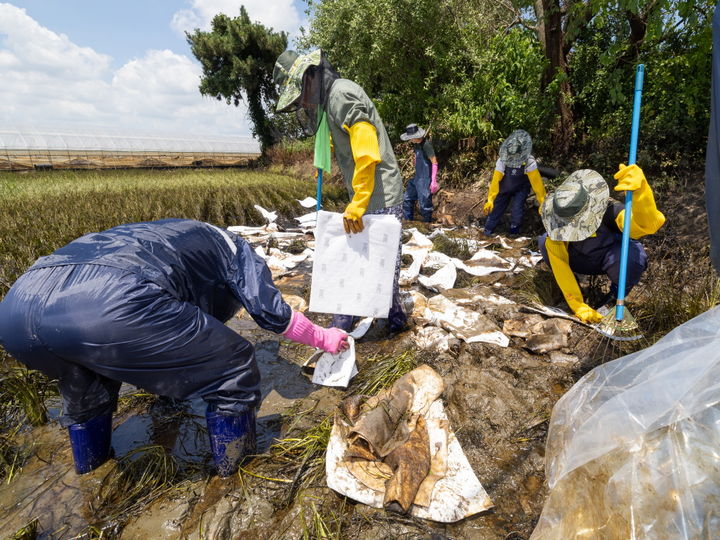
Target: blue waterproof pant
[418,189]
[610,263]
[516,199]
[92,327]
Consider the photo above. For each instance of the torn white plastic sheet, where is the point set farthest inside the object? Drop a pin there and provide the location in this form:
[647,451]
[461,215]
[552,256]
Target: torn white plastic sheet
[432,338]
[306,219]
[338,369]
[270,217]
[353,273]
[468,325]
[459,494]
[441,280]
[307,202]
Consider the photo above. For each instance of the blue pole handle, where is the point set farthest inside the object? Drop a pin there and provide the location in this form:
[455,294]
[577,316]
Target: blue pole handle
[318,198]
[620,306]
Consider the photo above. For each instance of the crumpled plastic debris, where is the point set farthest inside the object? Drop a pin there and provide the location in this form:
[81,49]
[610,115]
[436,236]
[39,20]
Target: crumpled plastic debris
[468,325]
[433,338]
[632,447]
[270,217]
[397,450]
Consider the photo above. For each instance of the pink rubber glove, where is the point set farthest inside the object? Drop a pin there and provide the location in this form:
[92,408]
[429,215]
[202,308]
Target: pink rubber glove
[433,179]
[302,330]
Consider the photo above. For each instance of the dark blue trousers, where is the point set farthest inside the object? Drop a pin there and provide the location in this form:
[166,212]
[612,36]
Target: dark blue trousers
[516,199]
[609,263]
[418,189]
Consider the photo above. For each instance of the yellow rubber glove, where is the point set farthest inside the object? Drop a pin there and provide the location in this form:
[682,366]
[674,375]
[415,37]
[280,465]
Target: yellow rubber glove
[587,314]
[646,218]
[493,190]
[560,264]
[366,154]
[537,185]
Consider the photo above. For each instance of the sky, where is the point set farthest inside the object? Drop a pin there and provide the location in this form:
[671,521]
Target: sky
[119,66]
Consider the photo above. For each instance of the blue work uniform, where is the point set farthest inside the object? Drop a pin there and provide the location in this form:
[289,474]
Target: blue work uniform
[144,303]
[514,190]
[600,253]
[418,188]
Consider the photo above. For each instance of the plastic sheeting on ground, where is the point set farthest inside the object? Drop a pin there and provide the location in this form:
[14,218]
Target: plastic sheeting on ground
[398,451]
[633,447]
[353,274]
[466,324]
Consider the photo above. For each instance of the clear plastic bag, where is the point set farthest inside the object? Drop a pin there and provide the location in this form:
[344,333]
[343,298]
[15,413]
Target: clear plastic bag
[633,449]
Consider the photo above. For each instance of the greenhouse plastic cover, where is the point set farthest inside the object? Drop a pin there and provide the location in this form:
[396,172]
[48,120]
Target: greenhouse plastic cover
[633,448]
[96,139]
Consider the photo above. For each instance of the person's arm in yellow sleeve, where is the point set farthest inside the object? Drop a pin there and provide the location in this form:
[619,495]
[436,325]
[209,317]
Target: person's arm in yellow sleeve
[560,264]
[366,154]
[646,218]
[537,185]
[493,190]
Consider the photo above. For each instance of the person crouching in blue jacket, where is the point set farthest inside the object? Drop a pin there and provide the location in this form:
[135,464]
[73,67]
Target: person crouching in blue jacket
[145,303]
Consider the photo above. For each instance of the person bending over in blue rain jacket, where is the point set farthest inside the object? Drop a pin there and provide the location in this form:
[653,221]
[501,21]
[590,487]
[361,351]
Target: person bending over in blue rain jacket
[423,185]
[145,303]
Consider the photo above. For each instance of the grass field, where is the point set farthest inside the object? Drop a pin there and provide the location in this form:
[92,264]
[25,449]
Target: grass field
[42,211]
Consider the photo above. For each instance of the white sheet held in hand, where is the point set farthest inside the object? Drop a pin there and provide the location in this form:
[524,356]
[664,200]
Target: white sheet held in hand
[353,273]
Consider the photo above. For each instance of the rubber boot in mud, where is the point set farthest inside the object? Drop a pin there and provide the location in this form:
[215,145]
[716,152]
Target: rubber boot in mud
[232,437]
[397,318]
[90,442]
[343,322]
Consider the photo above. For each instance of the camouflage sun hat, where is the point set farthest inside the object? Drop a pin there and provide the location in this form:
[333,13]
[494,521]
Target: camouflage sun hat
[516,149]
[288,75]
[576,208]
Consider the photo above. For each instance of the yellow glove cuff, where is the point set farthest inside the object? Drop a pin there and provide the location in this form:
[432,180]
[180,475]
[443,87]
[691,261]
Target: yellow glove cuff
[494,188]
[366,154]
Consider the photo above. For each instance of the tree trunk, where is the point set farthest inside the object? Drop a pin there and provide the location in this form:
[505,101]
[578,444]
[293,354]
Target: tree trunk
[550,32]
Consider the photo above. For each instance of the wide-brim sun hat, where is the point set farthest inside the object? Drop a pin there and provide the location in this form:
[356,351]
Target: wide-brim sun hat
[516,149]
[575,210]
[413,131]
[288,75]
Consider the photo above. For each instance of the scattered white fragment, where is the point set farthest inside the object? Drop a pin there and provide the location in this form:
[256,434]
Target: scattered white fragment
[307,202]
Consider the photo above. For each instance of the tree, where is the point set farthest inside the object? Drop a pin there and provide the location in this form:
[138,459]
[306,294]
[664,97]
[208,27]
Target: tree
[238,57]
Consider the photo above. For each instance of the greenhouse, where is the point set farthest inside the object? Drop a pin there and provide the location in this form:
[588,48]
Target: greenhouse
[32,148]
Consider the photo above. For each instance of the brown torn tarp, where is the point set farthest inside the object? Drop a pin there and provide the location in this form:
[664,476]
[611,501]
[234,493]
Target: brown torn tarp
[396,450]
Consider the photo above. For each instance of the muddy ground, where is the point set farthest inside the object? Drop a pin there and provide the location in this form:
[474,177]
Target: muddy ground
[499,401]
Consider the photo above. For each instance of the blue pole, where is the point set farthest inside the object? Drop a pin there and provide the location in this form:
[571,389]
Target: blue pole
[319,189]
[620,306]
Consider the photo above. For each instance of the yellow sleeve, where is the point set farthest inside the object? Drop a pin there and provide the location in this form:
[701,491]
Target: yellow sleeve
[366,154]
[646,218]
[560,264]
[494,188]
[537,185]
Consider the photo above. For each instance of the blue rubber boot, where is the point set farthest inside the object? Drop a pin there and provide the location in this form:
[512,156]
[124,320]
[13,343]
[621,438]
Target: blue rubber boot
[90,442]
[232,437]
[397,318]
[343,322]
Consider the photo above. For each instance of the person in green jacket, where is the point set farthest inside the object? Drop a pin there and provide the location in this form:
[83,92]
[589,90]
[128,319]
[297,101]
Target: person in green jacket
[310,87]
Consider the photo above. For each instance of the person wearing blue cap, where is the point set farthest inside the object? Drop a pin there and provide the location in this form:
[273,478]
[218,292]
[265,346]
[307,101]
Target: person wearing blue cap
[145,303]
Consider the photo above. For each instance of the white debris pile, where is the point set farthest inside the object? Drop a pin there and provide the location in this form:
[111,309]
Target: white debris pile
[442,319]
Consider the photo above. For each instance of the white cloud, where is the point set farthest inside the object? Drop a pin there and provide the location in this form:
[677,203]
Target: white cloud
[46,79]
[276,14]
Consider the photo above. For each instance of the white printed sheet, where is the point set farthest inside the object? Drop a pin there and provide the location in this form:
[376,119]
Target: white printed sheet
[353,273]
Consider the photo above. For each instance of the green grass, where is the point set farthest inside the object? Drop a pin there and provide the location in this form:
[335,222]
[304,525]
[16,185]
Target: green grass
[43,211]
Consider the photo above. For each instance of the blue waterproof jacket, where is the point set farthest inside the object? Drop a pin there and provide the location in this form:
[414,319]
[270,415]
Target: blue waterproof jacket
[144,303]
